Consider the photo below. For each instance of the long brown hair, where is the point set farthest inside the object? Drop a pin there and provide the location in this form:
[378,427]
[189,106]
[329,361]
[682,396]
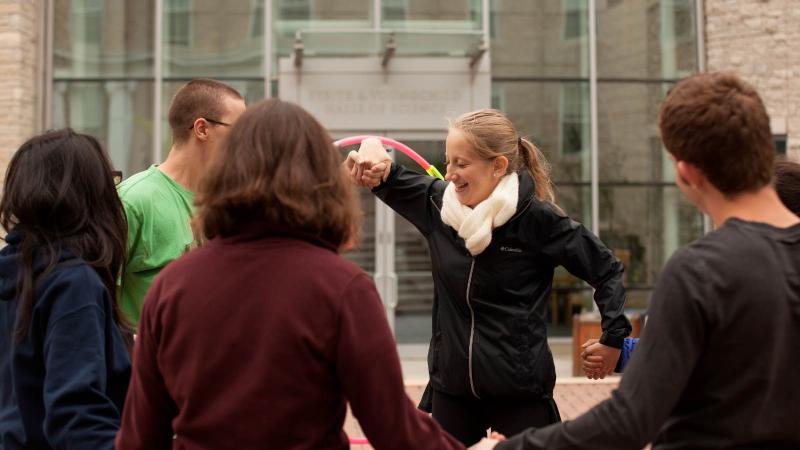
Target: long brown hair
[492,134]
[278,166]
[60,194]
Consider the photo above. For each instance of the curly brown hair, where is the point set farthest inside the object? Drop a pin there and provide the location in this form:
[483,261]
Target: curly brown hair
[278,166]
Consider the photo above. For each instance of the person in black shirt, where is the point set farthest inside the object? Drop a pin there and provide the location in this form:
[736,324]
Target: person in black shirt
[714,367]
[787,185]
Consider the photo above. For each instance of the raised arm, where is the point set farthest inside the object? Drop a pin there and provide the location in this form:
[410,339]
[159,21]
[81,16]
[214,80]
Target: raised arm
[406,192]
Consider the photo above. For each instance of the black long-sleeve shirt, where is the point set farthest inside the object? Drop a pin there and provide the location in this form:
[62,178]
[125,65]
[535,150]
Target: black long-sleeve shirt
[718,361]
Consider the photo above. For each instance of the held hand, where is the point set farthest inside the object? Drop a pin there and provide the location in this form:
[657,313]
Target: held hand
[484,444]
[376,174]
[353,164]
[599,360]
[370,165]
[375,161]
[362,175]
[372,152]
[497,436]
[591,364]
[593,367]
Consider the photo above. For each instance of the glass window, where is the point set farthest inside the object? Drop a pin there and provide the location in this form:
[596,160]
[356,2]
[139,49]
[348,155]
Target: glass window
[324,14]
[780,141]
[118,113]
[644,225]
[575,199]
[575,127]
[363,253]
[546,38]
[555,116]
[307,15]
[643,216]
[177,22]
[630,147]
[295,9]
[203,39]
[570,293]
[574,19]
[646,40]
[94,38]
[432,14]
[257,19]
[413,259]
[394,10]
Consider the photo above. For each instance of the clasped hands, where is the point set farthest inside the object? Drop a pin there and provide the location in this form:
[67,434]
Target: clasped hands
[598,360]
[370,165]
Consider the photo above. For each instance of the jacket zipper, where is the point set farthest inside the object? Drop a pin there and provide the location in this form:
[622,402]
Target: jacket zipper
[471,330]
[430,197]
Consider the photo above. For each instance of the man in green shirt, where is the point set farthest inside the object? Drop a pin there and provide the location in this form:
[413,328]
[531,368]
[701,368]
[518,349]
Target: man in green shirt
[159,202]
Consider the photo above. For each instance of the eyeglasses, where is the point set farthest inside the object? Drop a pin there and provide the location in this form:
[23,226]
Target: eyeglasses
[215,122]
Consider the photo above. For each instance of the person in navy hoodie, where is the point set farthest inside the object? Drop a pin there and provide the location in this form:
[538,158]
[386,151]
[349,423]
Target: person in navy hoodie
[64,347]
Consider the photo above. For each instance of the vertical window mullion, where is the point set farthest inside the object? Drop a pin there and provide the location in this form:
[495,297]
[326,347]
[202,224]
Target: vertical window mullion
[267,48]
[593,116]
[158,76]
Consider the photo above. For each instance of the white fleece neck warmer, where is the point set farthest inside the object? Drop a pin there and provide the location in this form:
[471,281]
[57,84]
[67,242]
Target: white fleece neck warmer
[475,225]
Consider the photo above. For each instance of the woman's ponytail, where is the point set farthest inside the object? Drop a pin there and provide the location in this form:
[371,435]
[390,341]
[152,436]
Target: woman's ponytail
[539,169]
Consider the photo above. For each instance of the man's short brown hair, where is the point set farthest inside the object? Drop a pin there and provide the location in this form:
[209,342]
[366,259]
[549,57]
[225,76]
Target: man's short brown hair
[280,170]
[198,98]
[717,122]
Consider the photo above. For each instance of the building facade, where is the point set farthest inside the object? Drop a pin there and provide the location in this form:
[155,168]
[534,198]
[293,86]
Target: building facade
[582,78]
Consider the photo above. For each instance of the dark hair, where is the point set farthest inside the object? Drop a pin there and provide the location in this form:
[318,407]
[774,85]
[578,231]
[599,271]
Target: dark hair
[718,123]
[60,194]
[201,97]
[787,183]
[280,168]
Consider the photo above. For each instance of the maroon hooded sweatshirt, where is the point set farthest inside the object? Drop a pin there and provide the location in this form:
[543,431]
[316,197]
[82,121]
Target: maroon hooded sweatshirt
[259,341]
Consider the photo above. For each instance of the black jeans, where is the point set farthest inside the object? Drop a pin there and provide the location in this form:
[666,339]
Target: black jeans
[467,418]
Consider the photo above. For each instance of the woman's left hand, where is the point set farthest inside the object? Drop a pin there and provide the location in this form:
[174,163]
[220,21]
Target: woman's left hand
[599,360]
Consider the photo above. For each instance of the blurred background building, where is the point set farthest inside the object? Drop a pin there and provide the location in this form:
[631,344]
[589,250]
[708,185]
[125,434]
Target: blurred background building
[582,78]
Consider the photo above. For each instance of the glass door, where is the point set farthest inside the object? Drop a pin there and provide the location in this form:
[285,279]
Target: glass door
[393,252]
[411,254]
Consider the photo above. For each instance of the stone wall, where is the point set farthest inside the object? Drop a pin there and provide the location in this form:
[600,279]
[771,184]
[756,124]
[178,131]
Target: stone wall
[760,39]
[19,72]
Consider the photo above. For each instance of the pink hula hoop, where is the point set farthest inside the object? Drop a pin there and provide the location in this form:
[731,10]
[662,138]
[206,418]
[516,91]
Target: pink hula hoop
[358,441]
[428,167]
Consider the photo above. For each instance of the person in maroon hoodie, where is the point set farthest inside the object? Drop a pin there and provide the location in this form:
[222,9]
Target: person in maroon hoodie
[259,338]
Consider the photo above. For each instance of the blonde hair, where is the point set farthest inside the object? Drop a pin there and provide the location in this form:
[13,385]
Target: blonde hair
[491,134]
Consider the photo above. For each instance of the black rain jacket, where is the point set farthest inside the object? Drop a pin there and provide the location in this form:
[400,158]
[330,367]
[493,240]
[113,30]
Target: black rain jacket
[489,331]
